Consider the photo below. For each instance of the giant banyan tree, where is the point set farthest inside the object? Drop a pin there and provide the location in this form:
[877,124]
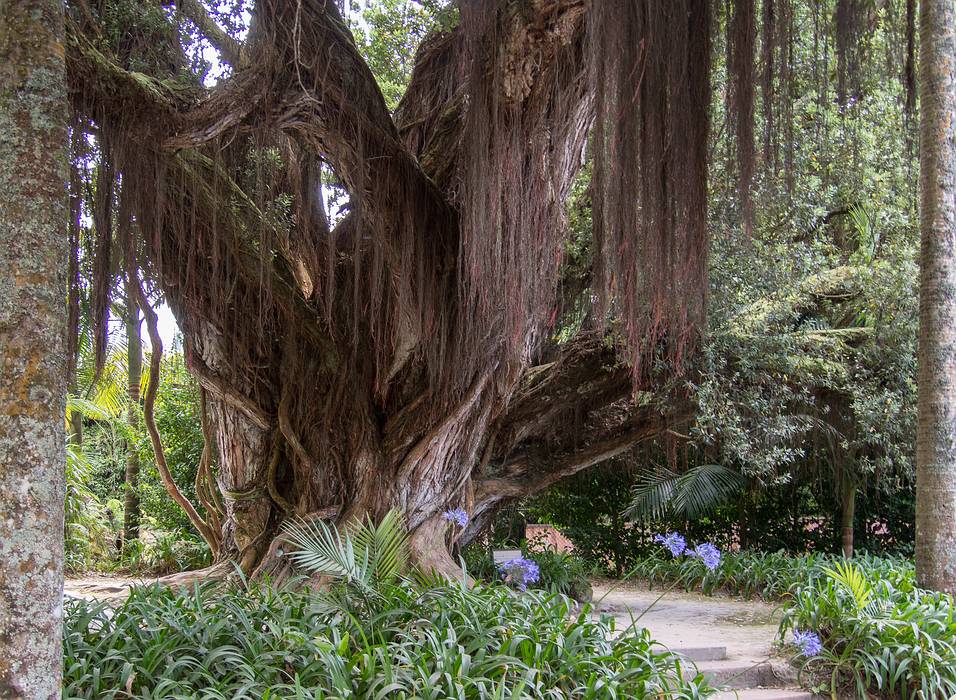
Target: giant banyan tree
[403,355]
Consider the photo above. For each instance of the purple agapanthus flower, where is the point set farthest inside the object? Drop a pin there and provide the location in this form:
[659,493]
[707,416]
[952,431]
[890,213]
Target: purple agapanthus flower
[809,642]
[674,541]
[456,515]
[520,572]
[707,553]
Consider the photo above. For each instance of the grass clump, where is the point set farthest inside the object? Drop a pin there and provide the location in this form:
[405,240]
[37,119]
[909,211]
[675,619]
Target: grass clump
[382,630]
[862,626]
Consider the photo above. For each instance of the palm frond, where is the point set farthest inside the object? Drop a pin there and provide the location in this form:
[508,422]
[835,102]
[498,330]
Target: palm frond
[696,491]
[319,549]
[366,555]
[853,580]
[386,545]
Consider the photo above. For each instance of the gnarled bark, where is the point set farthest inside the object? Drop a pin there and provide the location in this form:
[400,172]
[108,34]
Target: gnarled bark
[385,363]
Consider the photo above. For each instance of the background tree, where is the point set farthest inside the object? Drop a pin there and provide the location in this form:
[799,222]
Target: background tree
[936,442]
[456,362]
[33,252]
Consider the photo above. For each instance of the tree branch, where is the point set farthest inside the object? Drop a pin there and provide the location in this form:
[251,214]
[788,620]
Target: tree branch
[155,361]
[230,50]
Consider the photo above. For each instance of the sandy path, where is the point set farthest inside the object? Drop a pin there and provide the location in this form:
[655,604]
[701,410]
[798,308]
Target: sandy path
[680,620]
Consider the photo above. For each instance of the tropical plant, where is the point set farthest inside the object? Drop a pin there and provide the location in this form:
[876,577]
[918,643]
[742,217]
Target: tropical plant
[664,494]
[880,632]
[368,555]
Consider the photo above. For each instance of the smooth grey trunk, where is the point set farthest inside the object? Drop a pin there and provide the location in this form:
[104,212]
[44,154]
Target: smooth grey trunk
[134,365]
[936,431]
[33,254]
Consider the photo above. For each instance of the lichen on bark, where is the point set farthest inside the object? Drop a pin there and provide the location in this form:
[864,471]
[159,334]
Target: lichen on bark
[33,251]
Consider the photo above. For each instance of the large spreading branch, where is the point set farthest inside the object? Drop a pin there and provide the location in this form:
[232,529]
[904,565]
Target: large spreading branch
[566,416]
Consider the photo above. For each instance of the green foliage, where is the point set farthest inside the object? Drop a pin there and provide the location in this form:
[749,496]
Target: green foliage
[589,509]
[449,641]
[881,633]
[161,553]
[659,495]
[368,556]
[88,532]
[560,572]
[771,576]
[177,413]
[389,34]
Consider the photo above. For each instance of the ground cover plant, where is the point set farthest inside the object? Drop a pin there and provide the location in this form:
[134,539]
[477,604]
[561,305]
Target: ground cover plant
[768,575]
[402,641]
[861,626]
[382,629]
[877,631]
[557,572]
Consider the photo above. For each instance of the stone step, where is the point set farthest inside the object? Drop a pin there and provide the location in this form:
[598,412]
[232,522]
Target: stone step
[698,654]
[738,674]
[763,694]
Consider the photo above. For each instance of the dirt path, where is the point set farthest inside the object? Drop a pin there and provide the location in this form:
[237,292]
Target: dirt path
[730,640]
[101,587]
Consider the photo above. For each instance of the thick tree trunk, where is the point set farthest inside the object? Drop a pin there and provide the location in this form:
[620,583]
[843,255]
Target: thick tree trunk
[936,436]
[33,251]
[374,366]
[480,456]
[134,363]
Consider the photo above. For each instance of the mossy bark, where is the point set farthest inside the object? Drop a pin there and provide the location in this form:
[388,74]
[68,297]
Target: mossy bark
[936,428]
[33,254]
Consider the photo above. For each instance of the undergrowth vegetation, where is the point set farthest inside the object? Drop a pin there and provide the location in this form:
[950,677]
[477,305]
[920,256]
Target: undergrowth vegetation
[878,631]
[381,630]
[768,575]
[400,641]
[558,572]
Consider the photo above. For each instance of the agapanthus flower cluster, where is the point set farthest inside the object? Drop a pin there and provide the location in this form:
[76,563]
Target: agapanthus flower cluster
[706,552]
[520,572]
[809,642]
[456,515]
[674,541]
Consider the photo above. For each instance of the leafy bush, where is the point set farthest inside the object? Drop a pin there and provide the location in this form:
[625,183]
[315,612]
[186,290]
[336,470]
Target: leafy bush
[163,553]
[447,641]
[86,527]
[558,572]
[756,574]
[880,632]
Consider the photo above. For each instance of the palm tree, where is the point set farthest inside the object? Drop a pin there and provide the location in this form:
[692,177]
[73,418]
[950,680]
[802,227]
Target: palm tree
[936,432]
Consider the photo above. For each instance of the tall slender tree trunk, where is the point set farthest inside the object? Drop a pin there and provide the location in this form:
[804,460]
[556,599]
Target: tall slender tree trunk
[936,436]
[33,254]
[847,515]
[134,364]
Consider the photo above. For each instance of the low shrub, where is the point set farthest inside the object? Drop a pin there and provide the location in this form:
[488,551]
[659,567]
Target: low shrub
[157,553]
[863,625]
[879,632]
[398,641]
[558,572]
